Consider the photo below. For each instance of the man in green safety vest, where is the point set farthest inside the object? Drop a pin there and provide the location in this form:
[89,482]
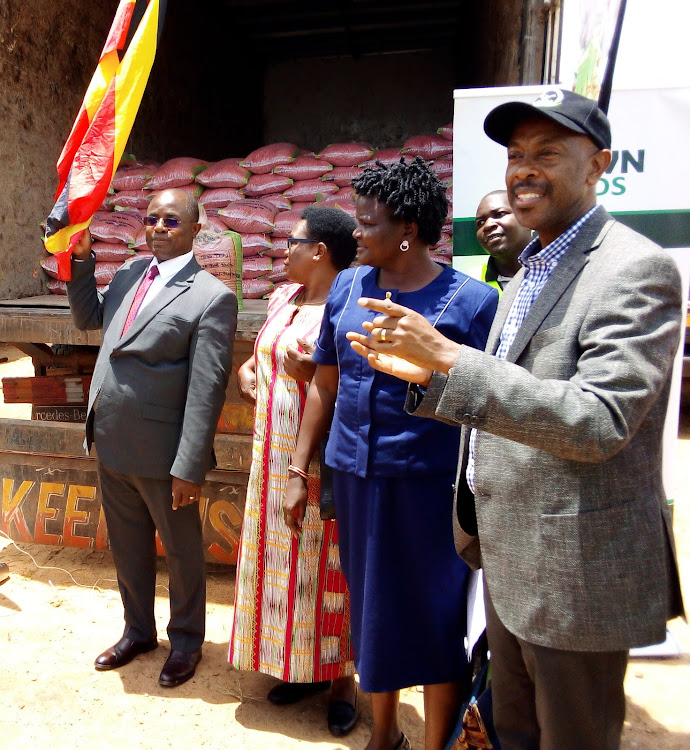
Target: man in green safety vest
[499,233]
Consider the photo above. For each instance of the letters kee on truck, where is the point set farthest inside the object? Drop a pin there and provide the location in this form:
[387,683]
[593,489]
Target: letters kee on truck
[63,507]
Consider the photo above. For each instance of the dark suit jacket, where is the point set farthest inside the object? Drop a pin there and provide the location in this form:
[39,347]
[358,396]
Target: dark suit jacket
[161,387]
[575,530]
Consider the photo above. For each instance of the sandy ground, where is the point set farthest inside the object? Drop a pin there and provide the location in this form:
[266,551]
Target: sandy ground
[52,628]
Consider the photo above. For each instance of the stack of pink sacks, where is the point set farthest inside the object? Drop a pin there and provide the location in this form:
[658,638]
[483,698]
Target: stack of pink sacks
[261,197]
[438,149]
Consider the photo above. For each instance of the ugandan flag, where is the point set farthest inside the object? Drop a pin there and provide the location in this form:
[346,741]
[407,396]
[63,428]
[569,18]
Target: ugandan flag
[95,146]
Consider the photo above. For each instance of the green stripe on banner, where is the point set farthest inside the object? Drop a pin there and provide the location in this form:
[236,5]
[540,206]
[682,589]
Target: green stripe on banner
[667,228]
[465,238]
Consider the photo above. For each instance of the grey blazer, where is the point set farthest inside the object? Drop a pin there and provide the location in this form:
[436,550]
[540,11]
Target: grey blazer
[575,530]
[161,387]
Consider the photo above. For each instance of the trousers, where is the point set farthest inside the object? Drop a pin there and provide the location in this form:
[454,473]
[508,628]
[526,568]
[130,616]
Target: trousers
[135,507]
[550,699]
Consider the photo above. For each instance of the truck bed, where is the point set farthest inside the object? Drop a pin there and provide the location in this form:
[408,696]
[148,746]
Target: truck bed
[47,319]
[45,471]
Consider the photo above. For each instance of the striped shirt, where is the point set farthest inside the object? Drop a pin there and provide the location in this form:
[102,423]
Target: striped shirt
[540,264]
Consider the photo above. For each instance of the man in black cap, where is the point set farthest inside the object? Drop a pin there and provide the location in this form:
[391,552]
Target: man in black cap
[562,418]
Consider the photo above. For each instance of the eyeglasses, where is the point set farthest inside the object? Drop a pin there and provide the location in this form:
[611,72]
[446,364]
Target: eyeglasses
[168,223]
[294,240]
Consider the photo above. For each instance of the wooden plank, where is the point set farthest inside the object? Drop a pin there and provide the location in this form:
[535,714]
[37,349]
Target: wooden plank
[233,452]
[21,436]
[43,326]
[535,14]
[47,391]
[46,300]
[54,325]
[57,438]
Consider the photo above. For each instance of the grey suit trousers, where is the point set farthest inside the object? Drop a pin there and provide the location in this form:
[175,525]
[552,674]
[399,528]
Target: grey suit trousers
[134,508]
[551,699]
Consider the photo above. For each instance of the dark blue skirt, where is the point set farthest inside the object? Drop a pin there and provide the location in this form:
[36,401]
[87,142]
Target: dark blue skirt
[408,587]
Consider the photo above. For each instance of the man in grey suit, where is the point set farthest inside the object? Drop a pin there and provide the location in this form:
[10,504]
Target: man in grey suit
[562,419]
[157,391]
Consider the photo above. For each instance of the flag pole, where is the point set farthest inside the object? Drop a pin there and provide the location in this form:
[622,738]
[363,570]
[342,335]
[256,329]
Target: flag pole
[607,81]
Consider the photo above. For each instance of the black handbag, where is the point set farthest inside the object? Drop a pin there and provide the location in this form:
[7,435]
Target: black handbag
[326,502]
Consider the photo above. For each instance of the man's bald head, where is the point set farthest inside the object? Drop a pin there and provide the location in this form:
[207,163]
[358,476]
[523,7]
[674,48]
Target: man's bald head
[167,242]
[191,206]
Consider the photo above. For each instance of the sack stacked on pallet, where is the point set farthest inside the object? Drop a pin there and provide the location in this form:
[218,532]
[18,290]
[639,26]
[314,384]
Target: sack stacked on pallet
[260,197]
[438,149]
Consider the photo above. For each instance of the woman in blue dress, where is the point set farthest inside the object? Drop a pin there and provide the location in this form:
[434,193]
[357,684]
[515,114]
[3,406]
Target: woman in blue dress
[393,473]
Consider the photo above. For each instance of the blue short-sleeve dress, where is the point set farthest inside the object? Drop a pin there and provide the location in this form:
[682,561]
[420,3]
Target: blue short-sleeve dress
[393,489]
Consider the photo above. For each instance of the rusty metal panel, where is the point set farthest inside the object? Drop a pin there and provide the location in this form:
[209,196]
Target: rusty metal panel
[55,500]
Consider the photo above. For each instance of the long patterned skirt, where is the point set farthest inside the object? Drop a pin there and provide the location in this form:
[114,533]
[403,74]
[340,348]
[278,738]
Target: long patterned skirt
[292,611]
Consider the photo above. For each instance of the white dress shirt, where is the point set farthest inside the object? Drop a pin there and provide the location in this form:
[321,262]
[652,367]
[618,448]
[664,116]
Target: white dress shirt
[166,270]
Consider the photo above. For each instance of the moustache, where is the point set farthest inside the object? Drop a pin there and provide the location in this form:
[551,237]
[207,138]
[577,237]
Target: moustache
[529,187]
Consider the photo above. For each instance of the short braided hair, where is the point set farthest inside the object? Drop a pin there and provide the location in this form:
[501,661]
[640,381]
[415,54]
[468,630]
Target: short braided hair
[411,191]
[334,228]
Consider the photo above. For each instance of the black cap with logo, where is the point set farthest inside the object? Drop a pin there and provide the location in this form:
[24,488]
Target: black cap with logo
[575,112]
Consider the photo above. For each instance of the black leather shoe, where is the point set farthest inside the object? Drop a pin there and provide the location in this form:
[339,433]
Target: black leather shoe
[4,572]
[342,717]
[122,653]
[178,668]
[286,693]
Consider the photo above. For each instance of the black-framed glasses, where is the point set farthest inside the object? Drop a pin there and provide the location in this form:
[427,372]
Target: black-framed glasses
[294,240]
[168,222]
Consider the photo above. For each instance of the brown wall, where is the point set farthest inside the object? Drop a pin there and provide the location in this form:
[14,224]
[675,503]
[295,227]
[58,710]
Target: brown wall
[48,52]
[204,97]
[379,99]
[503,43]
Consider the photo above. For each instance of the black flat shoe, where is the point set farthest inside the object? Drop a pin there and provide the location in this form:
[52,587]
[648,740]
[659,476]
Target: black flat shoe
[178,668]
[342,717]
[286,693]
[122,653]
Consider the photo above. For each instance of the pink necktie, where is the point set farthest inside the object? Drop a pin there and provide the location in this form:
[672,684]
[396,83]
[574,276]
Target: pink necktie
[139,297]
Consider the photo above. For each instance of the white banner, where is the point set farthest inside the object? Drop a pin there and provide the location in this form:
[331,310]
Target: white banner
[646,185]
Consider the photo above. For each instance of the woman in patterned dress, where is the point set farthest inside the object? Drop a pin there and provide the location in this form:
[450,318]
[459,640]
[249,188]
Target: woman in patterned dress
[291,617]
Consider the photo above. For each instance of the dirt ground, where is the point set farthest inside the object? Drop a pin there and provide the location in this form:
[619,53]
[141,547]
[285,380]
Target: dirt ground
[56,618]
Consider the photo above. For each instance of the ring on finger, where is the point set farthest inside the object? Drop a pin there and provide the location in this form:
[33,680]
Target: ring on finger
[383,335]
